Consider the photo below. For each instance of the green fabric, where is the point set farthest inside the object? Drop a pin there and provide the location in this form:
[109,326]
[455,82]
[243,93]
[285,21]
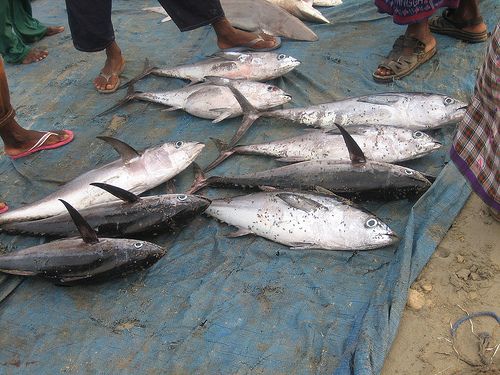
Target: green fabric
[18,27]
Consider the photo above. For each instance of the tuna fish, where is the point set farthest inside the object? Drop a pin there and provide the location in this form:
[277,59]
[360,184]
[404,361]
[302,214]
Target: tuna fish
[261,16]
[379,143]
[303,221]
[130,215]
[134,171]
[210,101]
[354,178]
[251,66]
[79,260]
[301,9]
[416,111]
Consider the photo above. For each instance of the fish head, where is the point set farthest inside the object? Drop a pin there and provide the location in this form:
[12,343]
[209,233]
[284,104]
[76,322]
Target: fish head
[171,157]
[274,96]
[422,143]
[188,205]
[374,231]
[142,252]
[403,177]
[440,109]
[278,61]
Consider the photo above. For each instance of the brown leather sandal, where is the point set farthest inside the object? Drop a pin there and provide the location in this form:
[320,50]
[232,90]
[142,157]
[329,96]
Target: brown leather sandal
[445,25]
[402,64]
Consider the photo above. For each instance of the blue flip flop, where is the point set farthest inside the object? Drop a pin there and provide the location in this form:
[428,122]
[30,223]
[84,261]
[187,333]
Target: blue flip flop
[249,47]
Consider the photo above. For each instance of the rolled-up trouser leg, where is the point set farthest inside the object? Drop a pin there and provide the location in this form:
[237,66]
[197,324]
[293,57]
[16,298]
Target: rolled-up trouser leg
[90,24]
[191,14]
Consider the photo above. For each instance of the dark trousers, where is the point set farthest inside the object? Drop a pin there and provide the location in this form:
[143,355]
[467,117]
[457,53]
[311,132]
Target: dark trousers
[92,30]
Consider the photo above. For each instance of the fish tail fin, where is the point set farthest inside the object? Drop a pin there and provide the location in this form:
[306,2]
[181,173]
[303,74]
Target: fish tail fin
[224,153]
[130,96]
[200,180]
[148,69]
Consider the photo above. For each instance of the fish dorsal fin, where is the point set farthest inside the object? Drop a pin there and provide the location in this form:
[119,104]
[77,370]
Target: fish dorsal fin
[120,193]
[299,202]
[355,152]
[353,129]
[127,153]
[381,99]
[88,234]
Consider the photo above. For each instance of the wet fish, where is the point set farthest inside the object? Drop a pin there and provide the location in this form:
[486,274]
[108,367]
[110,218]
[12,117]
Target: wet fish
[303,221]
[301,9]
[261,16]
[379,143]
[416,111]
[134,171]
[210,101]
[130,215]
[79,260]
[251,66]
[355,177]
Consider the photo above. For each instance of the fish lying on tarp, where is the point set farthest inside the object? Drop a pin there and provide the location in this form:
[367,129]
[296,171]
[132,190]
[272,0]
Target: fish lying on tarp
[130,215]
[251,66]
[211,101]
[379,143]
[134,171]
[357,177]
[416,111]
[303,221]
[79,260]
[301,9]
[262,16]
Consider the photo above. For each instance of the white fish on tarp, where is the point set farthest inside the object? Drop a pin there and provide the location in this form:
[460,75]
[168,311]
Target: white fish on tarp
[262,16]
[134,171]
[211,101]
[301,9]
[303,221]
[159,10]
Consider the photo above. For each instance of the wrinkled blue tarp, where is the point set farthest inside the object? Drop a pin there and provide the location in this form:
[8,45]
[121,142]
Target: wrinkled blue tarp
[216,305]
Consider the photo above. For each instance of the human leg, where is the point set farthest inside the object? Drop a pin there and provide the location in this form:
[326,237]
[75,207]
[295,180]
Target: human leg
[16,139]
[92,31]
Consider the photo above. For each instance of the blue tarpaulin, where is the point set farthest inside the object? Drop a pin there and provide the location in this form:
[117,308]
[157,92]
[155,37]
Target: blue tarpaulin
[216,305]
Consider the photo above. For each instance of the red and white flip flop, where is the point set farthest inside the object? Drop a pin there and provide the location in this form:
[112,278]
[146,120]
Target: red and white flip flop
[5,208]
[39,146]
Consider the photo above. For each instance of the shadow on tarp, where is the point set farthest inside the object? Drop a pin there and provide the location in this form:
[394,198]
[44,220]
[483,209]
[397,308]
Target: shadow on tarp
[213,304]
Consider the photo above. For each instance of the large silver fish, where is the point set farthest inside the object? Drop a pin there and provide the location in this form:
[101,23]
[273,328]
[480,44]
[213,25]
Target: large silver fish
[210,101]
[379,143]
[130,215]
[355,177]
[303,221]
[134,171]
[79,260]
[301,9]
[251,66]
[261,16]
[416,111]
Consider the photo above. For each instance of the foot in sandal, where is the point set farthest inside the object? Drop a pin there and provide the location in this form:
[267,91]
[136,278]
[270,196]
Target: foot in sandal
[108,79]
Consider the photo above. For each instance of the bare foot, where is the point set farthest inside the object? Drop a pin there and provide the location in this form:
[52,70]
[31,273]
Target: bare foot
[228,36]
[31,137]
[53,30]
[113,67]
[421,33]
[35,55]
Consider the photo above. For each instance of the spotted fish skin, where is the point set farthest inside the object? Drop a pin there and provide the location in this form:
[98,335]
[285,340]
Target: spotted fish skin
[303,221]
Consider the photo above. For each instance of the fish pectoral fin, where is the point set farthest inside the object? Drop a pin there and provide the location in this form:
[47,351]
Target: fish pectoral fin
[227,112]
[267,188]
[19,272]
[120,193]
[355,153]
[322,190]
[72,279]
[88,234]
[381,99]
[299,202]
[171,109]
[291,159]
[239,233]
[302,245]
[353,129]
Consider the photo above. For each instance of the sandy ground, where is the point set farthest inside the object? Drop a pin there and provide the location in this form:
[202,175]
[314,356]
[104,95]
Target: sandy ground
[463,274]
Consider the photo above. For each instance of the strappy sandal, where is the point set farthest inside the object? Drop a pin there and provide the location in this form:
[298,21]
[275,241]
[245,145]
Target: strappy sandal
[401,64]
[445,25]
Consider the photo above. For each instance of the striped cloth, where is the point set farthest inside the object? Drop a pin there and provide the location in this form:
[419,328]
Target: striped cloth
[475,147]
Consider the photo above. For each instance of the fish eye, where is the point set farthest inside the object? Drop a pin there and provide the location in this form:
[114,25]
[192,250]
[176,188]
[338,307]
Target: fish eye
[182,197]
[449,101]
[178,144]
[281,56]
[270,88]
[418,134]
[138,245]
[370,223]
[408,172]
